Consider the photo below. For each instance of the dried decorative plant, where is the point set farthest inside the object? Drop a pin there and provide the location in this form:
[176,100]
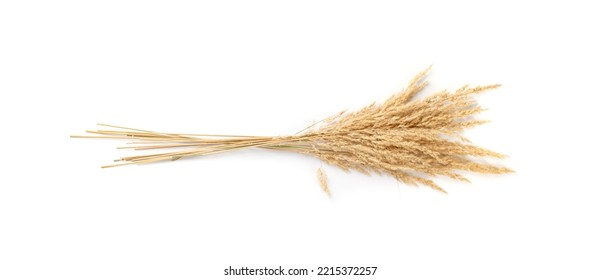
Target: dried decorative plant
[407,138]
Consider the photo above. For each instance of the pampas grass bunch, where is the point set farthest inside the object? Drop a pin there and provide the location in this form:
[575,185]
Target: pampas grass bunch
[409,139]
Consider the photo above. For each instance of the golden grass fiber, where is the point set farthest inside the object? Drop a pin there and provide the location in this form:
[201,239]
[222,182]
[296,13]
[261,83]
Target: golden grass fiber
[407,138]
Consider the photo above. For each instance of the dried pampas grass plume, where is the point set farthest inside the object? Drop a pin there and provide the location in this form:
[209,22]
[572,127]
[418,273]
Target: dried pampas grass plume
[323,181]
[409,139]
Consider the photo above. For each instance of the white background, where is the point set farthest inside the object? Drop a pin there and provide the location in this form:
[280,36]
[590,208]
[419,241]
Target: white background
[271,68]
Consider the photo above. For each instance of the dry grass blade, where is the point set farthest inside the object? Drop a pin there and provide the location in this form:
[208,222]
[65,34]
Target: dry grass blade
[407,138]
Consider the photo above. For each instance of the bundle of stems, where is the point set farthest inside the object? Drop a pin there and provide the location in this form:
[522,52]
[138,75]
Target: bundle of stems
[407,138]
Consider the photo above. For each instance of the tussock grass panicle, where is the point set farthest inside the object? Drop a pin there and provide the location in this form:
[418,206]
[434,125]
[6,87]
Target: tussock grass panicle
[410,139]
